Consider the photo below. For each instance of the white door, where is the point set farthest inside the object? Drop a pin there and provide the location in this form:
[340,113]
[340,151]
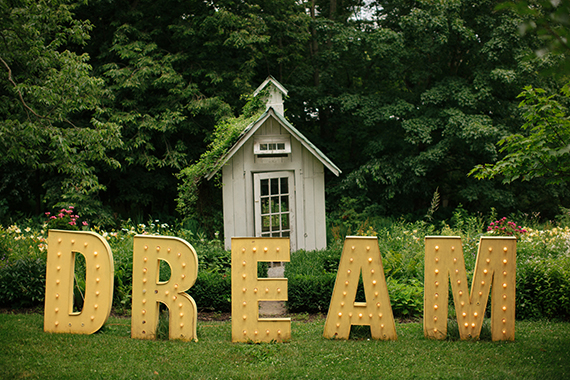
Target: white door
[274,196]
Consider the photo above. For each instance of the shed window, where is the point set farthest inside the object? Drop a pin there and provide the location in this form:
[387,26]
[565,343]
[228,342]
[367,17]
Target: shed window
[272,145]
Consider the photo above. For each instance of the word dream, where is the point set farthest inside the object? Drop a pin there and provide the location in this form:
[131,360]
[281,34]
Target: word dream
[494,272]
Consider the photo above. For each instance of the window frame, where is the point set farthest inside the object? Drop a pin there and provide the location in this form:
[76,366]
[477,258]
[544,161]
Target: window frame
[259,142]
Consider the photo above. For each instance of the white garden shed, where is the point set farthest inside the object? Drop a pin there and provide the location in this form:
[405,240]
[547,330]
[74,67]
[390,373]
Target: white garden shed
[274,181]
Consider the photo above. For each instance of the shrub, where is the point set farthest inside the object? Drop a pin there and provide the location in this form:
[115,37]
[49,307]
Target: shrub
[212,291]
[543,289]
[311,277]
[22,282]
[407,299]
[543,266]
[310,293]
[22,267]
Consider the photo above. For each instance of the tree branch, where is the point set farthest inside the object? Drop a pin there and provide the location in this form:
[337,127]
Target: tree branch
[28,108]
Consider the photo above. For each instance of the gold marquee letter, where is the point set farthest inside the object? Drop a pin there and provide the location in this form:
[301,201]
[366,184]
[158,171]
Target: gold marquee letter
[247,290]
[496,264]
[58,313]
[148,251]
[360,255]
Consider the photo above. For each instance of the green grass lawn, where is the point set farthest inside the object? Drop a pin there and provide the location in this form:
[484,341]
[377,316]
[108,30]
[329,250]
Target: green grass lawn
[541,350]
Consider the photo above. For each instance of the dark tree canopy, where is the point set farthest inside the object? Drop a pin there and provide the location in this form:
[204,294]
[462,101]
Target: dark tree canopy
[115,98]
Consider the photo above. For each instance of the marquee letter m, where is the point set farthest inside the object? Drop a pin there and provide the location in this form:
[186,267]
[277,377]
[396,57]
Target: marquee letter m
[494,269]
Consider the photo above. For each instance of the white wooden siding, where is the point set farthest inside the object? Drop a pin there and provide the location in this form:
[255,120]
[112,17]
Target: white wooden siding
[238,199]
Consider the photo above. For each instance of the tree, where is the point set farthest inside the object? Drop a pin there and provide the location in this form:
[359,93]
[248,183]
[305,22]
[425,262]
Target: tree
[173,71]
[411,101]
[541,148]
[51,135]
[550,21]
[544,149]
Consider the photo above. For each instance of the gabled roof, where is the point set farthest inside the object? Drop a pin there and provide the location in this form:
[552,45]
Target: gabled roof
[253,127]
[270,79]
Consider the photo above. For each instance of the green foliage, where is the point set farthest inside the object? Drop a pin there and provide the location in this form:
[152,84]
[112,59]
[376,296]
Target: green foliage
[406,299]
[105,105]
[311,278]
[309,293]
[225,135]
[417,127]
[543,267]
[51,131]
[22,282]
[543,288]
[173,71]
[550,21]
[123,280]
[212,291]
[433,206]
[542,149]
[22,267]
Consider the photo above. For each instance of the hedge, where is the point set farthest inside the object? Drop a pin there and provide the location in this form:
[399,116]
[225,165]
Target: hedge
[312,294]
[543,288]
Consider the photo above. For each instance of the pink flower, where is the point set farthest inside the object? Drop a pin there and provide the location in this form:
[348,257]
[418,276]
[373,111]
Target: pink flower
[85,223]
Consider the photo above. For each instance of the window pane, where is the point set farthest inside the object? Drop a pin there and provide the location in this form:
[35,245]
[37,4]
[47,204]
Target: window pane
[274,186]
[284,185]
[271,146]
[275,223]
[264,184]
[285,221]
[274,205]
[266,235]
[285,234]
[281,146]
[284,203]
[265,223]
[275,234]
[262,146]
[265,205]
